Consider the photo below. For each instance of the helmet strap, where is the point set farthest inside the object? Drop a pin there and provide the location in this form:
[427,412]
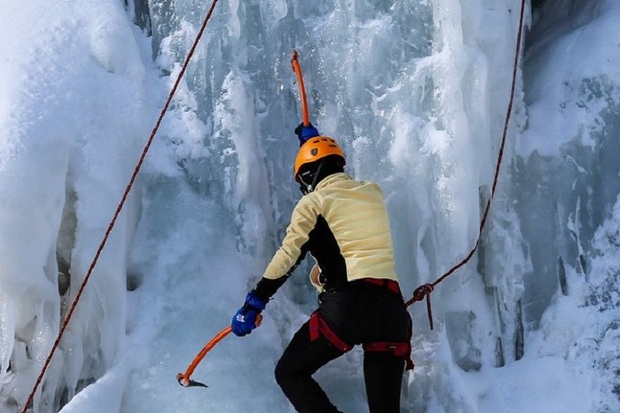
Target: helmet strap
[306,187]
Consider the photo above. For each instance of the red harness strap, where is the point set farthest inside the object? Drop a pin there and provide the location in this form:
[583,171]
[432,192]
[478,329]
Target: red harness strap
[319,326]
[397,349]
[389,284]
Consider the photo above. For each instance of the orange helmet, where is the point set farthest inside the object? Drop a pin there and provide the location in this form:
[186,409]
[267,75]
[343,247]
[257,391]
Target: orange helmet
[314,149]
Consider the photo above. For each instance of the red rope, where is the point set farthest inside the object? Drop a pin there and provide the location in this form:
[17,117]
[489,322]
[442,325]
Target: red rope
[425,290]
[119,207]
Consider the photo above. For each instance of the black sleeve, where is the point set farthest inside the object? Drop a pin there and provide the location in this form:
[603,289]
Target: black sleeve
[266,287]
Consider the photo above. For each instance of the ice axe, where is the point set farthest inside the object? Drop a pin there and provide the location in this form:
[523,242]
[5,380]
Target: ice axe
[302,88]
[184,378]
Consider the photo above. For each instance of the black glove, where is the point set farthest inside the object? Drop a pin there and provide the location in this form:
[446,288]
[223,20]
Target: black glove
[305,132]
[245,319]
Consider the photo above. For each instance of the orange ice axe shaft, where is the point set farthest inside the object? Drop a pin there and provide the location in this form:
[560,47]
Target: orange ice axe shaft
[302,88]
[184,378]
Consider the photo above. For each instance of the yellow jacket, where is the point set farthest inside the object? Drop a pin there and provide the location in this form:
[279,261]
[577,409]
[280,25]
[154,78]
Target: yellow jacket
[343,223]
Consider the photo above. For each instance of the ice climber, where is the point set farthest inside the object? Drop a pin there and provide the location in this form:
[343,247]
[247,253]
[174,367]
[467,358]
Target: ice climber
[344,225]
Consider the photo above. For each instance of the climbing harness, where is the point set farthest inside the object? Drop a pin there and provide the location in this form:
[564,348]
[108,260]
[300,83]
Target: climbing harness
[425,290]
[397,349]
[318,327]
[119,208]
[391,285]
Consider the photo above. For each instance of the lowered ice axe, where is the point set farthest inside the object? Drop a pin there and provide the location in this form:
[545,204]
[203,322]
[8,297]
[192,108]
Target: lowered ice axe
[184,378]
[302,88]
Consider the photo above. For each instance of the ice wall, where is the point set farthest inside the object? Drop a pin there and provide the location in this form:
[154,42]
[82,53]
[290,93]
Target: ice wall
[567,172]
[567,163]
[73,107]
[416,93]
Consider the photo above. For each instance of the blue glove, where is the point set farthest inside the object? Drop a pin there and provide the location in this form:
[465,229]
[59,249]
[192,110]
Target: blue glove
[305,132]
[245,319]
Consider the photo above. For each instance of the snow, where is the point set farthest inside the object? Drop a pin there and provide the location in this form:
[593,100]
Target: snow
[415,92]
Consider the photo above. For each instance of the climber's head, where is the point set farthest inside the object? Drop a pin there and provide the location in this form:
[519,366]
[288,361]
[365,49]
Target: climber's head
[317,158]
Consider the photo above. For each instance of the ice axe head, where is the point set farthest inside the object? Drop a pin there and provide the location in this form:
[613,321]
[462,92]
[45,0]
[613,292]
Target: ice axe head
[185,381]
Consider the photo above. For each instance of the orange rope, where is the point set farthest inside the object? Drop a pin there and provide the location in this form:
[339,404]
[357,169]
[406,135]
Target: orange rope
[425,290]
[302,88]
[119,208]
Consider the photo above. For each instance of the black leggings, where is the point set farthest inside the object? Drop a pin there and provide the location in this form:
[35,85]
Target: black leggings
[357,315]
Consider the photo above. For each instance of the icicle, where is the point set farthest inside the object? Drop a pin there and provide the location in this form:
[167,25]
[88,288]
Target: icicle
[519,340]
[561,272]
